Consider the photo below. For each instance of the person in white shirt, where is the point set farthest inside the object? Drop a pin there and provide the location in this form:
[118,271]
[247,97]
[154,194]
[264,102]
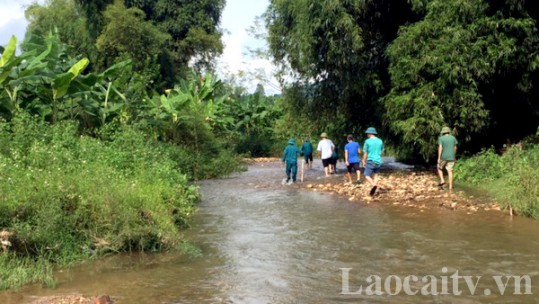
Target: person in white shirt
[325,149]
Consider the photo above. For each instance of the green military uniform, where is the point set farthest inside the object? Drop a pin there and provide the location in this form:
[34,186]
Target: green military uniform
[290,156]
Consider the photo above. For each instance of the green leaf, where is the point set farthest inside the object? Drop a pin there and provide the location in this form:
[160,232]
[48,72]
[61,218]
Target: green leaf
[9,51]
[61,83]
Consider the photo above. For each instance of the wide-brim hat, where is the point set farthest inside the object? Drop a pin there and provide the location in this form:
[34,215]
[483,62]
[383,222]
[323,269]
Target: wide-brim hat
[291,141]
[324,135]
[446,130]
[371,130]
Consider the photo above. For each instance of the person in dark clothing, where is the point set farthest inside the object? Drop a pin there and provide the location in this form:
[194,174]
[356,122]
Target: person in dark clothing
[333,161]
[307,149]
[290,157]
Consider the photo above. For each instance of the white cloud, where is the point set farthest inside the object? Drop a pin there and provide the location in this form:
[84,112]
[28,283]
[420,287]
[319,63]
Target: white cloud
[233,53]
[238,16]
[12,20]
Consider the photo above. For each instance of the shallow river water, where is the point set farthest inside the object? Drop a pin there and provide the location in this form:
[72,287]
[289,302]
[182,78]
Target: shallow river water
[276,244]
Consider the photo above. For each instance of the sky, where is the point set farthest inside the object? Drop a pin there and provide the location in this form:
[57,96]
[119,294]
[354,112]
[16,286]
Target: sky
[238,16]
[12,21]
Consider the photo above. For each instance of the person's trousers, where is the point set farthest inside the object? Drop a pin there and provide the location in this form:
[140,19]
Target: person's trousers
[292,167]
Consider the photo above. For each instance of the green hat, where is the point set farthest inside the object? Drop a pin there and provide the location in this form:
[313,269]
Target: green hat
[291,141]
[371,130]
[324,135]
[446,130]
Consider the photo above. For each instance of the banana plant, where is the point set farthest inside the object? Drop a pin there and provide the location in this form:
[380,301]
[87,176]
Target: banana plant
[53,85]
[190,110]
[61,84]
[10,73]
[100,94]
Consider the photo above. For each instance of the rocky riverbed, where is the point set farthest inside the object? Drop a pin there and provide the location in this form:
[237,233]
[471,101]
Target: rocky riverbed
[411,189]
[74,299]
[399,184]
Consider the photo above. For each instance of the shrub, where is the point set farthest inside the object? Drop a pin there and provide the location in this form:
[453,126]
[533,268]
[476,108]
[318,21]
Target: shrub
[66,197]
[511,178]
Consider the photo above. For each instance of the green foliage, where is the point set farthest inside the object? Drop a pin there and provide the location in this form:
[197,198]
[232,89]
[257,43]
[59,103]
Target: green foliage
[16,271]
[127,35]
[61,83]
[89,163]
[255,118]
[66,19]
[486,166]
[193,115]
[46,81]
[512,178]
[192,26]
[66,197]
[410,67]
[453,67]
[336,51]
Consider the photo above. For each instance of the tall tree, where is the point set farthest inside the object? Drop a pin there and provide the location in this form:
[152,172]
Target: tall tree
[335,52]
[193,26]
[64,18]
[94,13]
[470,64]
[127,35]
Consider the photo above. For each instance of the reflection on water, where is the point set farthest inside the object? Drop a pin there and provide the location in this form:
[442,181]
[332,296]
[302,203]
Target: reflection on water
[280,245]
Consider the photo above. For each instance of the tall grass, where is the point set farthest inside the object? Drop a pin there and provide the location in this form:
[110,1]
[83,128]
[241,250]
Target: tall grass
[512,178]
[66,197]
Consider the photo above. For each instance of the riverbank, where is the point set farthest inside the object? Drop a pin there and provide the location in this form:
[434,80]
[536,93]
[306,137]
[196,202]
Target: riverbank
[510,177]
[297,239]
[67,198]
[399,185]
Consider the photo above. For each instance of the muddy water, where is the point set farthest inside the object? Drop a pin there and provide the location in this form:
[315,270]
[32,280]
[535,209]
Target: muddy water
[267,243]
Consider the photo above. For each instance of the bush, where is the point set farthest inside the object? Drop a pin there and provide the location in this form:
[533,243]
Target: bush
[511,178]
[255,145]
[66,197]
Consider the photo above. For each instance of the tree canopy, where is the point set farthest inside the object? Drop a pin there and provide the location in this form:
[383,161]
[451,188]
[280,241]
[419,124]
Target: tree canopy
[410,67]
[467,64]
[334,51]
[165,38]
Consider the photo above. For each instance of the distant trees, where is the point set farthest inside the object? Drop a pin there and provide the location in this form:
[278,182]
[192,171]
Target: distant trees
[163,38]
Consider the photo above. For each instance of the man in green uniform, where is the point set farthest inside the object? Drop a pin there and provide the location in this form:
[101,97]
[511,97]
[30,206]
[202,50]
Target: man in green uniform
[290,156]
[447,148]
[307,149]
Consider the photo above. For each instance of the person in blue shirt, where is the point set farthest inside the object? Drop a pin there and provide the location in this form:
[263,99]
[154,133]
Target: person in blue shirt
[290,156]
[351,158]
[372,157]
[307,149]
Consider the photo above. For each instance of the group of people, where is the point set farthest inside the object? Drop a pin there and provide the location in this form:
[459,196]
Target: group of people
[371,160]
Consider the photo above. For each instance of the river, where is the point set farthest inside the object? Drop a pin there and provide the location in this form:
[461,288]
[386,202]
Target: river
[267,243]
